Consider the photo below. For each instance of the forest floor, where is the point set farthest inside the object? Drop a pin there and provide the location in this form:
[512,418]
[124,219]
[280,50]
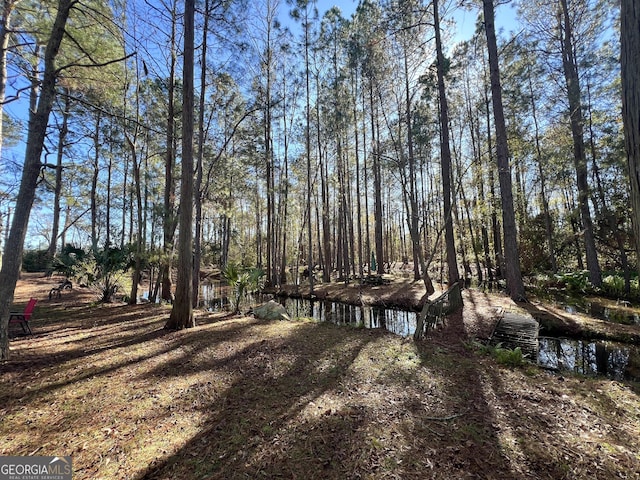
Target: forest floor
[237,397]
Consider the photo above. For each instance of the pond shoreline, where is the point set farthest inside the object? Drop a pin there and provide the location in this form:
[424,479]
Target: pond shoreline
[400,295]
[410,296]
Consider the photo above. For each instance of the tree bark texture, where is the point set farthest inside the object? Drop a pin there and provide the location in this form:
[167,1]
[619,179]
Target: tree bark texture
[445,156]
[513,275]
[182,311]
[169,224]
[57,189]
[630,46]
[580,159]
[5,27]
[548,225]
[137,263]
[94,185]
[30,173]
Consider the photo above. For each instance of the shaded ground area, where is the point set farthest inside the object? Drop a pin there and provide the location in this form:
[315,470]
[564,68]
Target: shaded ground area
[238,397]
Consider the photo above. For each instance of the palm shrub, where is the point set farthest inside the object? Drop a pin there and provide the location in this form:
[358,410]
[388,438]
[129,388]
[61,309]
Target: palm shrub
[242,282]
[65,262]
[104,269]
[576,281]
[613,285]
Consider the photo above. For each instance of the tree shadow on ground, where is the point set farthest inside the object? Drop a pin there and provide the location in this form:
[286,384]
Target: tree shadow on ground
[464,439]
[271,419]
[244,398]
[311,419]
[306,406]
[28,366]
[520,422]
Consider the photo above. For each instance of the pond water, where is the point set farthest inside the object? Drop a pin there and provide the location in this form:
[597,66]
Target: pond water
[400,322]
[610,314]
[614,360]
[214,297]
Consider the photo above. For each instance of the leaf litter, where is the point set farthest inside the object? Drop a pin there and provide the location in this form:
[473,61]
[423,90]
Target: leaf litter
[242,398]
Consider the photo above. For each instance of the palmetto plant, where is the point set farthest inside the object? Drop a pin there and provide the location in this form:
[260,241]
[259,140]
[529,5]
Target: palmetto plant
[104,269]
[242,281]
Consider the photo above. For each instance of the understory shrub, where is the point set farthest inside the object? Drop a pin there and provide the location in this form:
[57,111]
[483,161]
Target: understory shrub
[104,269]
[242,282]
[35,261]
[576,281]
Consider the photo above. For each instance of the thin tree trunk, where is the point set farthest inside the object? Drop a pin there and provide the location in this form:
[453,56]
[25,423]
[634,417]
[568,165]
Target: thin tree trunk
[258,227]
[474,133]
[62,139]
[197,245]
[327,260]
[169,224]
[548,225]
[377,187]
[131,136]
[308,150]
[515,285]
[459,217]
[5,34]
[343,209]
[94,185]
[133,297]
[145,196]
[445,156]
[108,205]
[495,224]
[357,160]
[570,206]
[413,213]
[125,175]
[349,216]
[67,224]
[285,217]
[367,253]
[577,130]
[269,164]
[125,179]
[602,209]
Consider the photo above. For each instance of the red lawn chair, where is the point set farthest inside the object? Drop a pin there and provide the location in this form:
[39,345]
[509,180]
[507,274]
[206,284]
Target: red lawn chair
[24,317]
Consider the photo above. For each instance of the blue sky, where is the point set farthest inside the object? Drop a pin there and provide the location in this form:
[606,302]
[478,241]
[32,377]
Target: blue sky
[465,19]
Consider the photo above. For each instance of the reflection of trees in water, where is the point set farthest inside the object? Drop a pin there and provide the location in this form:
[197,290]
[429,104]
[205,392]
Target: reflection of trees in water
[396,321]
[584,357]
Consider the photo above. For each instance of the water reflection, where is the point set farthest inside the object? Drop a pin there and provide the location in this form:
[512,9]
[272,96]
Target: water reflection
[617,361]
[589,357]
[214,298]
[396,321]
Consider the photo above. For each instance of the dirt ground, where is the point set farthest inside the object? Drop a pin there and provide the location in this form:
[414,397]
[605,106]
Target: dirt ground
[238,398]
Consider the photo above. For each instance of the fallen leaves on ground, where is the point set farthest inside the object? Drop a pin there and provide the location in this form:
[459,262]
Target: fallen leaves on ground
[237,397]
